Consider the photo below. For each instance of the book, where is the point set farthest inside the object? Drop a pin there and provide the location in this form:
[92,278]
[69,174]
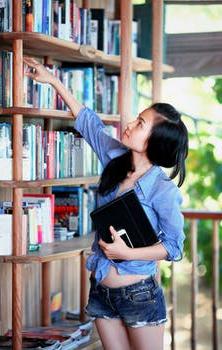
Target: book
[45,217]
[6,239]
[127,216]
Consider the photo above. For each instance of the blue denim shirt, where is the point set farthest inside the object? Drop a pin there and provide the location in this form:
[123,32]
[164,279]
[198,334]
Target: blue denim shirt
[159,196]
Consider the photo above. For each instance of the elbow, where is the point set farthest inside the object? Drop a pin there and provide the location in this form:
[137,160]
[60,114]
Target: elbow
[174,251]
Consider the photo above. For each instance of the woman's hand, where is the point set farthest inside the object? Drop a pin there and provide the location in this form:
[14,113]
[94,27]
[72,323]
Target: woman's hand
[116,250]
[40,73]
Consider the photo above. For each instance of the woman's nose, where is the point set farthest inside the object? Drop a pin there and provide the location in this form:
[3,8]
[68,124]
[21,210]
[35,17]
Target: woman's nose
[130,125]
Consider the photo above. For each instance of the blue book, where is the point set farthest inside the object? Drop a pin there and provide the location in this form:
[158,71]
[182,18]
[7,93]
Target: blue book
[88,87]
[44,16]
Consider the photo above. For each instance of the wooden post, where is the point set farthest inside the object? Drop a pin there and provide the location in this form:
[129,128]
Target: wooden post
[83,285]
[215,285]
[157,49]
[46,266]
[46,317]
[194,284]
[125,89]
[173,303]
[17,175]
[86,4]
[157,58]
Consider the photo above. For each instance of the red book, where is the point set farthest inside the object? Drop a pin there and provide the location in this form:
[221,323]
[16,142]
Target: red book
[51,155]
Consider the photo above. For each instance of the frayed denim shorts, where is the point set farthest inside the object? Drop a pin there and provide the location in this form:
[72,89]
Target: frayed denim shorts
[137,305]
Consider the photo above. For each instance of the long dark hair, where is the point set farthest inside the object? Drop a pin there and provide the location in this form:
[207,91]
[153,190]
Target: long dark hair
[167,147]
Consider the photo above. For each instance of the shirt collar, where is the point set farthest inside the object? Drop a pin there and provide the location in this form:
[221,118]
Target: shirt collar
[147,180]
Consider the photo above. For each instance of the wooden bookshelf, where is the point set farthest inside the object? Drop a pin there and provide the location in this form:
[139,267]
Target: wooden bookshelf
[35,44]
[53,251]
[52,114]
[71,181]
[54,49]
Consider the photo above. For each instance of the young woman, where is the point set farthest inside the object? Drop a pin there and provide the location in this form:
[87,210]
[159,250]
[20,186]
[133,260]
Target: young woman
[125,299]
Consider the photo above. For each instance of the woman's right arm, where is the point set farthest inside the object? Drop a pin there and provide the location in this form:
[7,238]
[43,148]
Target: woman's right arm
[42,75]
[87,121]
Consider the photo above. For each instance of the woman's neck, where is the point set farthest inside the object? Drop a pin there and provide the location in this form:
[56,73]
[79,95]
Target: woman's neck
[141,164]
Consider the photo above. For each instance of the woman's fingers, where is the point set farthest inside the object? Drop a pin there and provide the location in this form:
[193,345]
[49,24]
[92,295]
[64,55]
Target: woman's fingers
[30,75]
[31,62]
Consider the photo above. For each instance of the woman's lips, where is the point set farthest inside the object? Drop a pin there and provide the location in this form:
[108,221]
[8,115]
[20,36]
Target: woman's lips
[125,133]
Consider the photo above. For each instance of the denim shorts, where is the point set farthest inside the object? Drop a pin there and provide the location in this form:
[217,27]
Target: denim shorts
[137,305]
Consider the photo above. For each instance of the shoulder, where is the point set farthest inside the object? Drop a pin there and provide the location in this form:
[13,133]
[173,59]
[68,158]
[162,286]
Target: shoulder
[157,186]
[162,190]
[165,191]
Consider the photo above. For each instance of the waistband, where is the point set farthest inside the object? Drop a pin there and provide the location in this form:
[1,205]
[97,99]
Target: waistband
[148,281]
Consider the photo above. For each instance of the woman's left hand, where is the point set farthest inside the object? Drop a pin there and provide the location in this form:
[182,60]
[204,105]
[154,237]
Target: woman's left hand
[116,250]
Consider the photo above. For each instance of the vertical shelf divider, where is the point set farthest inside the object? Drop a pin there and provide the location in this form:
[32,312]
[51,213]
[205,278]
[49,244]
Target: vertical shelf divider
[125,90]
[46,266]
[157,49]
[17,176]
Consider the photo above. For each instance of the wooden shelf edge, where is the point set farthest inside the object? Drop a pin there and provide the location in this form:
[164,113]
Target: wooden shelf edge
[71,51]
[51,113]
[50,182]
[53,251]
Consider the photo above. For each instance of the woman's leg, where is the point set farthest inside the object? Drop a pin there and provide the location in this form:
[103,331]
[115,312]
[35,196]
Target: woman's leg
[146,337]
[113,334]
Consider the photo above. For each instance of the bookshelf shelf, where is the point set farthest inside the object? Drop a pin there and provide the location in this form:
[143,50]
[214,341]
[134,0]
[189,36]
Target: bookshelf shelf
[53,251]
[51,114]
[36,44]
[72,181]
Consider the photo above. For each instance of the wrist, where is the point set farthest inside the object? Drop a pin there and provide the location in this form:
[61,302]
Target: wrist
[129,253]
[54,81]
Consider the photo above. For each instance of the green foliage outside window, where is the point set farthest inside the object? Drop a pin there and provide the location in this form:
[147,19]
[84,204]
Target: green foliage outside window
[202,189]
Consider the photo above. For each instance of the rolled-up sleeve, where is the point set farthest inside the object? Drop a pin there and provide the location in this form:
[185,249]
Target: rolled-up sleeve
[92,129]
[170,221]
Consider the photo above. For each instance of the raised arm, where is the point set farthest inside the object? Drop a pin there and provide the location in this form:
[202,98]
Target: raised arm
[42,75]
[87,121]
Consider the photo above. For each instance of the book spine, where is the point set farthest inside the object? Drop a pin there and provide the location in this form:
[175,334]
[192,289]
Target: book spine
[29,16]
[55,17]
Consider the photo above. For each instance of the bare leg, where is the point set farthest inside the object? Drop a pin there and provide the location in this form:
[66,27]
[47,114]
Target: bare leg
[147,337]
[113,334]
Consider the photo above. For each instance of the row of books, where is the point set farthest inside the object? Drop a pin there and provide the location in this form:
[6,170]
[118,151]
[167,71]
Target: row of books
[37,222]
[90,84]
[49,154]
[73,206]
[47,216]
[65,20]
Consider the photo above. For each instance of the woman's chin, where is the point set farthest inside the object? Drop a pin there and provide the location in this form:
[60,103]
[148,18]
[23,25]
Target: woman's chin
[123,141]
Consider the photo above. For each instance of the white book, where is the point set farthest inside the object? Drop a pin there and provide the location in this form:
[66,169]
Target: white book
[38,16]
[6,169]
[5,234]
[94,33]
[85,212]
[78,150]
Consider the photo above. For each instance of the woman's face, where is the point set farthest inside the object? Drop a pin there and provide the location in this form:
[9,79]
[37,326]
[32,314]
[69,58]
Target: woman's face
[138,131]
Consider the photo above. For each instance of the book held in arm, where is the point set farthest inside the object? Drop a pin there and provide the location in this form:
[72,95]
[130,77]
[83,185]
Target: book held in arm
[127,216]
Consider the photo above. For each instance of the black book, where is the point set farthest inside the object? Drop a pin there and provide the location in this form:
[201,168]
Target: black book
[127,216]
[99,15]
